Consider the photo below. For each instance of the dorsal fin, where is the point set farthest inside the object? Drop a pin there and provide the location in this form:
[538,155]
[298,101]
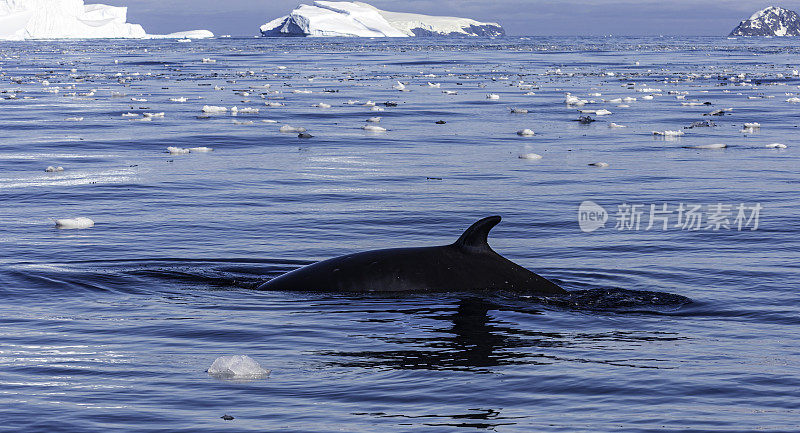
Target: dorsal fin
[475,238]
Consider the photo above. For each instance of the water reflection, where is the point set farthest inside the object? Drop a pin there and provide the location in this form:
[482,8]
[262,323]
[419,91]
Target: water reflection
[470,338]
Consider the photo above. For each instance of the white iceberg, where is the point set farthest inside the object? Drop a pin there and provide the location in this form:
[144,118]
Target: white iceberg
[329,18]
[69,19]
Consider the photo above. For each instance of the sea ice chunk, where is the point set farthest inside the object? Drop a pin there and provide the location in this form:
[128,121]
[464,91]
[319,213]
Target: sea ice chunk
[237,367]
[74,223]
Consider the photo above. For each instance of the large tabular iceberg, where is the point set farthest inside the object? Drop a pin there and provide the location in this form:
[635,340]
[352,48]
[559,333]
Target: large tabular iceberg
[66,19]
[328,18]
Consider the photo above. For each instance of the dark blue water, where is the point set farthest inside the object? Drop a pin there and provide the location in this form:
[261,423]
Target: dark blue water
[111,328]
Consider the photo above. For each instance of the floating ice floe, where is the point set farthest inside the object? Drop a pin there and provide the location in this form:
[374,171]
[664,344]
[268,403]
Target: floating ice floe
[153,115]
[181,99]
[130,115]
[273,104]
[793,100]
[51,169]
[530,156]
[74,223]
[237,367]
[493,96]
[173,150]
[288,128]
[707,146]
[243,110]
[574,100]
[400,86]
[322,105]
[526,132]
[214,109]
[434,85]
[207,60]
[615,125]
[449,92]
[373,128]
[669,133]
[519,110]
[74,119]
[375,119]
[600,112]
[776,146]
[600,164]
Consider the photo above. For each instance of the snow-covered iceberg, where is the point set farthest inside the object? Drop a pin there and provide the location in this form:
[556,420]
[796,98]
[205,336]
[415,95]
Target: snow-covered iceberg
[771,21]
[329,18]
[64,19]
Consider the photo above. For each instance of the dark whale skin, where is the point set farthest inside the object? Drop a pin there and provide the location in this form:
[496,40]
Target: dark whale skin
[468,265]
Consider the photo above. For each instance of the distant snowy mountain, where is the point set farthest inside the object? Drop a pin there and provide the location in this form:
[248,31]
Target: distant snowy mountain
[67,19]
[329,18]
[772,21]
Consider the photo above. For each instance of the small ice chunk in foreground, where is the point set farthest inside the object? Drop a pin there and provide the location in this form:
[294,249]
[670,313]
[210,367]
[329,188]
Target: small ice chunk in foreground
[526,132]
[181,99]
[51,169]
[201,149]
[530,156]
[600,164]
[74,223]
[519,110]
[769,146]
[493,96]
[615,125]
[237,367]
[375,119]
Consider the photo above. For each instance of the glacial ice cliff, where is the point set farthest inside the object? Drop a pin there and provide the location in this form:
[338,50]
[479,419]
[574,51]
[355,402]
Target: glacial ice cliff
[65,19]
[771,21]
[330,18]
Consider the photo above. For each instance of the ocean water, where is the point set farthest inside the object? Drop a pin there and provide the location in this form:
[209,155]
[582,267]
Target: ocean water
[112,328]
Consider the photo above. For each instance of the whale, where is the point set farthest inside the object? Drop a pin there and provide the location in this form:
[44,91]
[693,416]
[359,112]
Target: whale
[467,265]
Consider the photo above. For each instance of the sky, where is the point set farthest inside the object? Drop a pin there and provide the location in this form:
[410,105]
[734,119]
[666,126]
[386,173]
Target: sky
[518,17]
